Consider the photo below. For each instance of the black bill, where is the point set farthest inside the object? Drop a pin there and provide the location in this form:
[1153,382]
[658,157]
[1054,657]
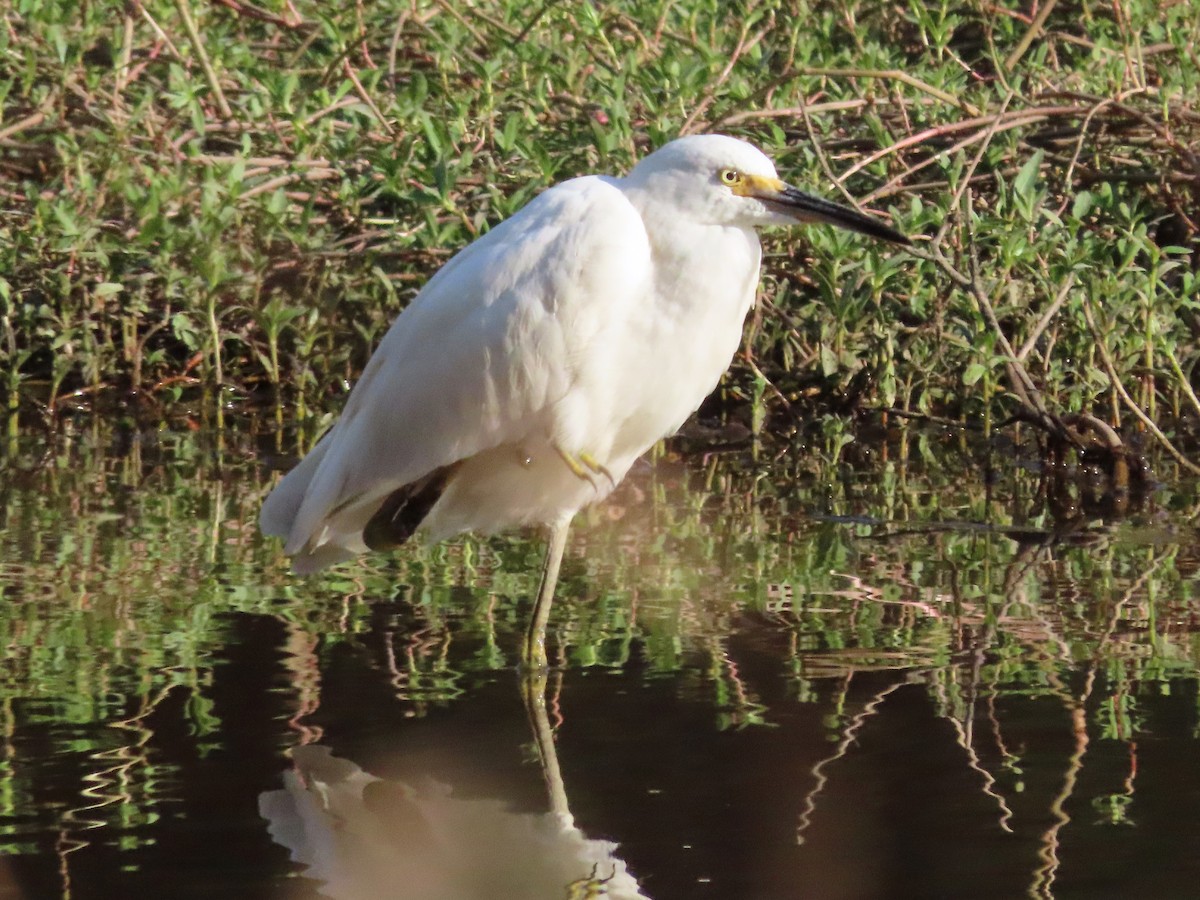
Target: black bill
[808,208]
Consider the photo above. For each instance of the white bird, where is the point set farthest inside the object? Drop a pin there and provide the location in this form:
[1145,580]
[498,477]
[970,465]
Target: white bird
[363,837]
[541,361]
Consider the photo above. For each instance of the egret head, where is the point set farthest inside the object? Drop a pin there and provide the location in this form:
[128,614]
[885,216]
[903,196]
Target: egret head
[720,180]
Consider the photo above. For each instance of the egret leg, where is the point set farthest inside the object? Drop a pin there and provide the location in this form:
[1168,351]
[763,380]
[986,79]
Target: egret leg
[534,656]
[533,684]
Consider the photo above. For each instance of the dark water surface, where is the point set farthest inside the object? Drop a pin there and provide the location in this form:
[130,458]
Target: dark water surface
[772,679]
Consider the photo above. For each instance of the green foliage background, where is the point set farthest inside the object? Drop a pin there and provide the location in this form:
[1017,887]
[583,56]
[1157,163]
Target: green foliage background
[221,193]
[203,202]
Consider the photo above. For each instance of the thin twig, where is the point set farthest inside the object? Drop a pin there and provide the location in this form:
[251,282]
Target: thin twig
[158,30]
[197,43]
[892,75]
[1070,170]
[1008,120]
[815,142]
[1129,402]
[788,112]
[366,98]
[848,737]
[250,11]
[281,180]
[1044,322]
[533,20]
[1018,376]
[401,20]
[758,373]
[30,121]
[1184,382]
[965,185]
[1035,29]
[744,43]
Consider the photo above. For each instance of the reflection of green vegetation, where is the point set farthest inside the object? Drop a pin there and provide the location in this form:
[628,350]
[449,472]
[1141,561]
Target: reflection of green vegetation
[118,570]
[251,202]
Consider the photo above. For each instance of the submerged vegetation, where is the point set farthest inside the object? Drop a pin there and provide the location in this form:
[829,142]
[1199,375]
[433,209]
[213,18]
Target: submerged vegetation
[212,206]
[241,197]
[150,632]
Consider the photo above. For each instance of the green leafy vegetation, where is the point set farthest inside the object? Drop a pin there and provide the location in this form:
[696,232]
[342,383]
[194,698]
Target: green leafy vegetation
[128,560]
[206,207]
[240,198]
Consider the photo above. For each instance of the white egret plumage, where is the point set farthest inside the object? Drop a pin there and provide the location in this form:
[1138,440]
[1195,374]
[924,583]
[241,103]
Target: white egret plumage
[542,360]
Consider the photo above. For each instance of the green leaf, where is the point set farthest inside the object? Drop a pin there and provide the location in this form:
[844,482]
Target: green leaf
[829,361]
[1024,182]
[973,373]
[1085,202]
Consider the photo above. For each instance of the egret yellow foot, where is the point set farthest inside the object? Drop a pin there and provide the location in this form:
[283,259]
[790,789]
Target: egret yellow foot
[584,465]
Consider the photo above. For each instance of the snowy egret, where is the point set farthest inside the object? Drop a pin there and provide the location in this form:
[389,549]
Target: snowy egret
[540,362]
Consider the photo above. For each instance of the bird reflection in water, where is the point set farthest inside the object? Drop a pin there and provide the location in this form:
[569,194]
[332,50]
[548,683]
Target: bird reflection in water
[363,837]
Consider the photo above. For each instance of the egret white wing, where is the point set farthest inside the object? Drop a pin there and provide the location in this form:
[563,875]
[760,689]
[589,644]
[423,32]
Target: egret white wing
[484,356]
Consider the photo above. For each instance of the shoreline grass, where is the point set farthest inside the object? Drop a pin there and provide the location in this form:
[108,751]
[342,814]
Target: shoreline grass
[202,204]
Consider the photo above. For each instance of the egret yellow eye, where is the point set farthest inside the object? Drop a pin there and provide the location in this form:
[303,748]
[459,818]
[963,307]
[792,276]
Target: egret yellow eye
[730,177]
